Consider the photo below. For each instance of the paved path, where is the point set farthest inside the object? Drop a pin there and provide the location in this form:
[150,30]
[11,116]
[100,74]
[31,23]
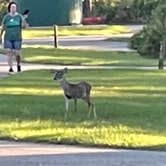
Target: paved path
[26,66]
[3,66]
[29,154]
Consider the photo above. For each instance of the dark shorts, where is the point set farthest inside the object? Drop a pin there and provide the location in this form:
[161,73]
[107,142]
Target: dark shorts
[13,44]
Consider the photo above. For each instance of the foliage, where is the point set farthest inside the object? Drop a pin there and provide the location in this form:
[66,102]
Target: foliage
[2,8]
[127,10]
[141,9]
[147,42]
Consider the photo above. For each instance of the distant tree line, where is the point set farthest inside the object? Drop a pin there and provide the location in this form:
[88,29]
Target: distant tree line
[127,11]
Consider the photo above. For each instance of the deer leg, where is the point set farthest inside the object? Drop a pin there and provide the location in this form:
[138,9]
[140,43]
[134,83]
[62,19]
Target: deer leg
[94,110]
[66,106]
[66,103]
[87,100]
[91,107]
[75,105]
[89,104]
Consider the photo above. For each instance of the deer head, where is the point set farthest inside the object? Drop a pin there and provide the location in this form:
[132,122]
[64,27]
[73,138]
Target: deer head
[59,74]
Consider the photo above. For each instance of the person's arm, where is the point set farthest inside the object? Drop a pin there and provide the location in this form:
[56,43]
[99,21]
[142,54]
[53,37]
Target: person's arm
[23,22]
[24,16]
[1,33]
[2,30]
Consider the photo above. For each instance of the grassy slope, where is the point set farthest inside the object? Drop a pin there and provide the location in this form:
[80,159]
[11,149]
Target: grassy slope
[130,107]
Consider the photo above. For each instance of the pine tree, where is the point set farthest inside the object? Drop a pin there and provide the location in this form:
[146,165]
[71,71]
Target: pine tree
[151,40]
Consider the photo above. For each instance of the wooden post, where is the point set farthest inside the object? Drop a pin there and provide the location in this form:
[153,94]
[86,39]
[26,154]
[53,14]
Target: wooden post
[162,55]
[55,36]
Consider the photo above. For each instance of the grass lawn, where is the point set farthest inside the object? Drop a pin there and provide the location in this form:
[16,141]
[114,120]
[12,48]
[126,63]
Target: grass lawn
[78,57]
[75,31]
[130,105]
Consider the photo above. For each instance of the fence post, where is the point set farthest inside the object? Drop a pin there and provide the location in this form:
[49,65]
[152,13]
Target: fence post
[55,36]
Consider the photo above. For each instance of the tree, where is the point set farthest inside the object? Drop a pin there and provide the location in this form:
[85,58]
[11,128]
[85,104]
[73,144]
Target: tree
[151,41]
[87,7]
[159,28]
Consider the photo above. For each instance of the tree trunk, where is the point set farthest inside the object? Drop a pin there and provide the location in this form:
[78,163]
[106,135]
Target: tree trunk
[87,7]
[162,55]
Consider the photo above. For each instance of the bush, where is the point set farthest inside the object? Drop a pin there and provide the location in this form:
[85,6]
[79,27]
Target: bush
[146,43]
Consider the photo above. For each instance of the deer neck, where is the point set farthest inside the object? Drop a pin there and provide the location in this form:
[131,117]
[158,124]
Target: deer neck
[63,83]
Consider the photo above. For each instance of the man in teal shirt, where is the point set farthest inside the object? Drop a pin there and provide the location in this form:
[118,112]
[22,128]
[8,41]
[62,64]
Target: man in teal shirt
[12,24]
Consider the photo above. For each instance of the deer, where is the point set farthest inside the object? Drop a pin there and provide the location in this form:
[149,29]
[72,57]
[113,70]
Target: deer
[76,91]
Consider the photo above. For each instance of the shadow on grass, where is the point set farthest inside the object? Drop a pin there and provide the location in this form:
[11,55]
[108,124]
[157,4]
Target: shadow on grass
[133,112]
[28,113]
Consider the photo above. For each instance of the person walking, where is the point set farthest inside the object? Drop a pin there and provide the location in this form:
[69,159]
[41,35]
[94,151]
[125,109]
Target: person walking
[12,24]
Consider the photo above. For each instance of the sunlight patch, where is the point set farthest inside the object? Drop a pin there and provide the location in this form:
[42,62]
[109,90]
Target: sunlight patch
[54,57]
[37,46]
[30,91]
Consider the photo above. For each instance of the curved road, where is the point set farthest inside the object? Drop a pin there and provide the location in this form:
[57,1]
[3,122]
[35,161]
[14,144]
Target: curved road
[29,154]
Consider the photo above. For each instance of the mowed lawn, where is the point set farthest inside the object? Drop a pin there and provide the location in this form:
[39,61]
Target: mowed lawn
[85,30]
[85,57]
[130,105]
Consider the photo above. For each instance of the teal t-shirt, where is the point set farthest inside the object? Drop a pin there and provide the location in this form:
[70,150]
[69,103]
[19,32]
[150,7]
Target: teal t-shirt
[13,27]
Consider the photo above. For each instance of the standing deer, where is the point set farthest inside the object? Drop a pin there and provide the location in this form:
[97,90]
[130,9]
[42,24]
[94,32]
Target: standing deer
[80,90]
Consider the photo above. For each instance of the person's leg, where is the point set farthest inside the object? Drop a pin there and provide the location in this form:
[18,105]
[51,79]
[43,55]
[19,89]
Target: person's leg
[10,60]
[18,59]
[8,47]
[17,52]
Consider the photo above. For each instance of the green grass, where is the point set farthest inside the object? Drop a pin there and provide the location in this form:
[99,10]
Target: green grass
[75,31]
[78,57]
[130,105]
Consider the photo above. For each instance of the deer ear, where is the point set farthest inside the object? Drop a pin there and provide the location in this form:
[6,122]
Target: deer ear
[65,70]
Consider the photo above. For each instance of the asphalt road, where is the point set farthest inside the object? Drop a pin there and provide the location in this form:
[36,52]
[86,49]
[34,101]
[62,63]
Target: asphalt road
[29,154]
[89,42]
[82,42]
